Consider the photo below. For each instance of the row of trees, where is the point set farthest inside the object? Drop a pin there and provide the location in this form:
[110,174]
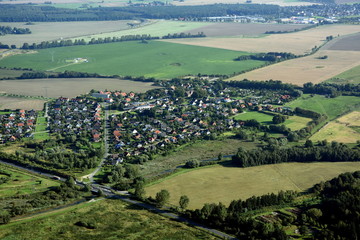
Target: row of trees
[334,152]
[331,89]
[13,30]
[269,57]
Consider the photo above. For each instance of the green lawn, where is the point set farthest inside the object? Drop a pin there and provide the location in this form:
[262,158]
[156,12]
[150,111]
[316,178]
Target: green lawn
[154,59]
[332,107]
[258,116]
[110,219]
[21,183]
[40,129]
[350,76]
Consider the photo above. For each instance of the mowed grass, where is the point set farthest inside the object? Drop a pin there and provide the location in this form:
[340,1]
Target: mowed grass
[296,122]
[112,219]
[350,76]
[224,184]
[344,129]
[332,107]
[154,59]
[21,183]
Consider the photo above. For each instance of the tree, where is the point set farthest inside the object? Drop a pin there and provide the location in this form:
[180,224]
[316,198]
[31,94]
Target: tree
[162,197]
[184,201]
[140,190]
[192,164]
[278,119]
[4,217]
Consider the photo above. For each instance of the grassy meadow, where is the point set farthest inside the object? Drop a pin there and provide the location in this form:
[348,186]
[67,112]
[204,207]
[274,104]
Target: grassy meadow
[350,76]
[225,183]
[109,219]
[21,183]
[332,107]
[154,59]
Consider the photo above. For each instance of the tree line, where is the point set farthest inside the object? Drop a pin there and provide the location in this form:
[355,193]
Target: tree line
[13,30]
[332,89]
[269,57]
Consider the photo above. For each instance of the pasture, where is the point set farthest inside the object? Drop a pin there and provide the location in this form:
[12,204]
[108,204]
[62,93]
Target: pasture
[21,183]
[349,76]
[111,219]
[297,42]
[207,185]
[66,87]
[344,129]
[20,103]
[243,29]
[156,28]
[153,59]
[306,69]
[332,107]
[48,31]
[296,122]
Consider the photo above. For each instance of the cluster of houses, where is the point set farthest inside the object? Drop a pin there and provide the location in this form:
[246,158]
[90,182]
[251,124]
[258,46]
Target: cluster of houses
[76,116]
[17,125]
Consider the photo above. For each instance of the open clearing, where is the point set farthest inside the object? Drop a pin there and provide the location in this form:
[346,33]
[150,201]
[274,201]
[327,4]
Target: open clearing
[48,31]
[69,87]
[243,29]
[157,28]
[306,69]
[332,107]
[112,219]
[297,42]
[21,183]
[206,185]
[153,59]
[344,129]
[20,103]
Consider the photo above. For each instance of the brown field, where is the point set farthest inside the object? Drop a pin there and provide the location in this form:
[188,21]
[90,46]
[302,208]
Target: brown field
[297,42]
[307,69]
[48,31]
[340,130]
[207,185]
[243,29]
[69,87]
[20,103]
[346,43]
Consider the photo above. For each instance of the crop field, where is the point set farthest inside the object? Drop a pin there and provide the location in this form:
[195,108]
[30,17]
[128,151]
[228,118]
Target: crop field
[157,28]
[20,103]
[48,31]
[347,43]
[110,219]
[349,76]
[21,183]
[276,2]
[297,42]
[344,129]
[206,185]
[9,73]
[332,107]
[242,29]
[306,69]
[152,59]
[66,87]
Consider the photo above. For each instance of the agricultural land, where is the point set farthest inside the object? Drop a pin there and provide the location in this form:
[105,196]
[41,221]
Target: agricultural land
[349,76]
[206,185]
[7,102]
[132,58]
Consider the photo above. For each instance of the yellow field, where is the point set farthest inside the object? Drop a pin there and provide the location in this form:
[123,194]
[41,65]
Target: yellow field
[339,130]
[297,43]
[296,123]
[224,184]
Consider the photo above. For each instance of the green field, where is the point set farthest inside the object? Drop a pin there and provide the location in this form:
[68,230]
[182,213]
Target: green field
[110,219]
[154,59]
[9,73]
[332,107]
[225,183]
[21,183]
[156,29]
[350,76]
[296,122]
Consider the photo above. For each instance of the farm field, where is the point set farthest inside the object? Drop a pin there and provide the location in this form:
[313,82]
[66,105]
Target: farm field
[67,87]
[153,59]
[21,183]
[9,73]
[243,29]
[296,122]
[20,103]
[349,76]
[347,43]
[275,2]
[112,219]
[332,107]
[47,31]
[206,185]
[344,129]
[157,28]
[306,69]
[297,42]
